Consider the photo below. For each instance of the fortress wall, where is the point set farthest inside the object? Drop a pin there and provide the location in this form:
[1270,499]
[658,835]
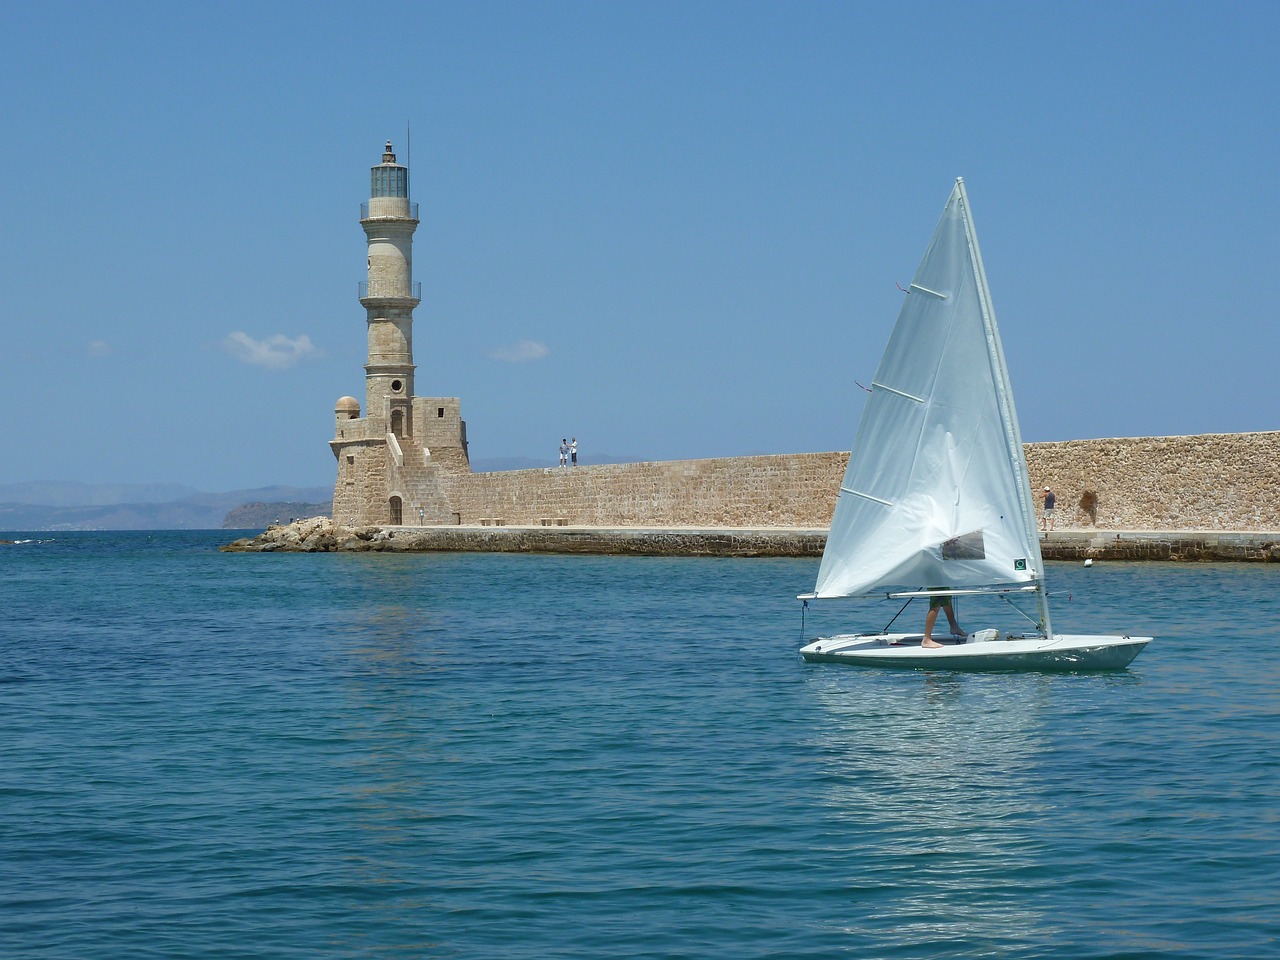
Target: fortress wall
[772,491]
[1217,481]
[1208,482]
[360,492]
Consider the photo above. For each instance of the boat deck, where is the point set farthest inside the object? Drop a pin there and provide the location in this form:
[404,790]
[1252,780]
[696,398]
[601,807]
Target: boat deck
[1064,652]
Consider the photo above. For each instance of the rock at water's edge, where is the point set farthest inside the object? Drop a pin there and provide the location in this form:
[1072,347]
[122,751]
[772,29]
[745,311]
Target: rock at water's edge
[314,535]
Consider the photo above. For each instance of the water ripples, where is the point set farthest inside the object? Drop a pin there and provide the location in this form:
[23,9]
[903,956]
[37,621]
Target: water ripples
[479,756]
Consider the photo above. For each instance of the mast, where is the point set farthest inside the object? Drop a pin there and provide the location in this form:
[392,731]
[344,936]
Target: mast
[1008,413]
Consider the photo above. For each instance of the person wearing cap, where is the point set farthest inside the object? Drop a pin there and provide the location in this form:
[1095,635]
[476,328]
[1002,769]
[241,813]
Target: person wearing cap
[1046,519]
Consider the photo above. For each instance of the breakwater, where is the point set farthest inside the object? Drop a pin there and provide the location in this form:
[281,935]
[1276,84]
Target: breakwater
[1217,482]
[1190,545]
[319,534]
[1208,482]
[1206,497]
[787,490]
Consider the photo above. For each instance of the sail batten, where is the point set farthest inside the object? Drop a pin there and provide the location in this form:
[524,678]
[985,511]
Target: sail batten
[897,393]
[866,496]
[949,466]
[932,293]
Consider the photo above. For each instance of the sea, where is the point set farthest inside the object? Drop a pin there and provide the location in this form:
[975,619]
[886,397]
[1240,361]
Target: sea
[206,754]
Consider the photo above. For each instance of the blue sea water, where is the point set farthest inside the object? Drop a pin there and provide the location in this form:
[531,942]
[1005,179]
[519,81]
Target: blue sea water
[479,756]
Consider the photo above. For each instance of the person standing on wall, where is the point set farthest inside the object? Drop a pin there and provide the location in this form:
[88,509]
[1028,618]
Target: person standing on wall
[573,451]
[564,452]
[1046,520]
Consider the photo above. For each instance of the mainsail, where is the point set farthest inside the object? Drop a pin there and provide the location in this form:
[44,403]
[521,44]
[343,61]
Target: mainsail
[936,494]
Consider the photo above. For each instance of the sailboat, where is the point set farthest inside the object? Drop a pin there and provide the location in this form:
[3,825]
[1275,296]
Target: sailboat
[936,501]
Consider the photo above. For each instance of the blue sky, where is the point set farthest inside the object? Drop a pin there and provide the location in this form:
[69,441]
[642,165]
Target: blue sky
[671,229]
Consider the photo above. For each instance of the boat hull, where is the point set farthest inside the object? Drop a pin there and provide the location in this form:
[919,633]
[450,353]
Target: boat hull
[1065,652]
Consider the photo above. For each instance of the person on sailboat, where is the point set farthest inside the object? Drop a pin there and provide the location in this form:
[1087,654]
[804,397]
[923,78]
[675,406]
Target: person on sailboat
[936,604]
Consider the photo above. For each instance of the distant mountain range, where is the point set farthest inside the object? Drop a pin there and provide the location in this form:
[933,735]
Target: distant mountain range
[69,505]
[92,506]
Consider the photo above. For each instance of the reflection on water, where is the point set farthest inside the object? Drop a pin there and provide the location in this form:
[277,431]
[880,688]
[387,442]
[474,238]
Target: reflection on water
[930,773]
[389,640]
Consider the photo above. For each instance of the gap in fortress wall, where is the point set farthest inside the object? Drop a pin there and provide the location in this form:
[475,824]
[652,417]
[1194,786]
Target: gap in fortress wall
[1211,482]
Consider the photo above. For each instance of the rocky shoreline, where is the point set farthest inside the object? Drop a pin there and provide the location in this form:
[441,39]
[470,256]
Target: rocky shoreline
[322,535]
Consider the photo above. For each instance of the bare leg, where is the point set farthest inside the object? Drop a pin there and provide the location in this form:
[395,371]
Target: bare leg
[955,627]
[929,620]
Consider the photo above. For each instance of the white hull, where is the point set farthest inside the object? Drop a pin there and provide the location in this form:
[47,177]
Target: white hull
[1063,652]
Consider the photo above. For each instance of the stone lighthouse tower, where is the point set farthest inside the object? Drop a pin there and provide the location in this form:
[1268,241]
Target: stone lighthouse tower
[390,295]
[392,462]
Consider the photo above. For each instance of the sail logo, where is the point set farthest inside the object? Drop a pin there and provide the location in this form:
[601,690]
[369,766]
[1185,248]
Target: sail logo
[1020,564]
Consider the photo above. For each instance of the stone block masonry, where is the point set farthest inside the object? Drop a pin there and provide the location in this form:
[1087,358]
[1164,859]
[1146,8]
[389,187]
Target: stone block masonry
[767,491]
[1206,482]
[1218,481]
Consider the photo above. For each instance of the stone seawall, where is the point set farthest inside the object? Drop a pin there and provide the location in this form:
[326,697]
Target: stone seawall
[1207,482]
[1184,545]
[768,491]
[321,535]
[1220,481]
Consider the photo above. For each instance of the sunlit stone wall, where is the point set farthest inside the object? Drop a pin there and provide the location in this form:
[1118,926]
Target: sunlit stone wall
[1209,482]
[777,491]
[1216,481]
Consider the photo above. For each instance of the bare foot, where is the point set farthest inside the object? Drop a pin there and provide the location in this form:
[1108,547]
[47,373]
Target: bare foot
[930,644]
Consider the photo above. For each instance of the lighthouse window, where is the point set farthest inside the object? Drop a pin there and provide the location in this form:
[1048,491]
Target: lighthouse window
[396,385]
[390,182]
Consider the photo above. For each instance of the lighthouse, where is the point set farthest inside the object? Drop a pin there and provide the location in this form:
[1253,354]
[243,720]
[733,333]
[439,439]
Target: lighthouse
[393,462]
[389,295]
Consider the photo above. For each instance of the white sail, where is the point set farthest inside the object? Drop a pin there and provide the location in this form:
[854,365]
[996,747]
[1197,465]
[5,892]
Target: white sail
[936,494]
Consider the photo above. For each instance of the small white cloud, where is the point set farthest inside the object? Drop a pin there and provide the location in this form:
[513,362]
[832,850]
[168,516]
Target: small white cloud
[275,353]
[524,351]
[98,348]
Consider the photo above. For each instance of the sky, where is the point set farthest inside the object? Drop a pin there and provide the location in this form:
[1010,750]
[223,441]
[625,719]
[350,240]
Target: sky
[672,230]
